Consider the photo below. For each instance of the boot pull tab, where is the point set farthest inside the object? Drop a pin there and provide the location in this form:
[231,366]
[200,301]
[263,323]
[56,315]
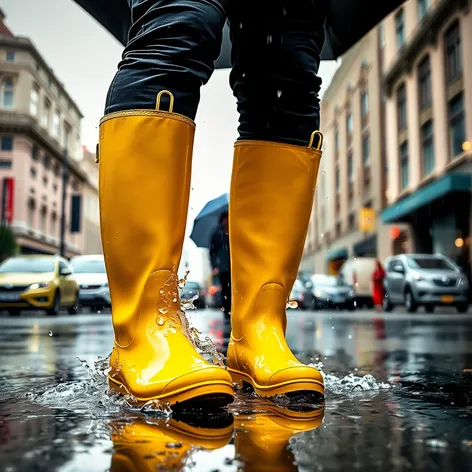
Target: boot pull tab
[97,154]
[171,100]
[316,134]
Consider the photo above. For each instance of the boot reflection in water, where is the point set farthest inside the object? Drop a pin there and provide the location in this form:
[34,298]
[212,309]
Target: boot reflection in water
[262,439]
[144,447]
[145,157]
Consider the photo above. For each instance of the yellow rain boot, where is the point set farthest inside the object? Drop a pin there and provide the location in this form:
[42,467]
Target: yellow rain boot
[262,439]
[271,198]
[144,447]
[144,183]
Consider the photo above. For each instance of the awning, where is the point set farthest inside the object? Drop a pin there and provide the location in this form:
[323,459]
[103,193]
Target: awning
[337,254]
[366,247]
[451,183]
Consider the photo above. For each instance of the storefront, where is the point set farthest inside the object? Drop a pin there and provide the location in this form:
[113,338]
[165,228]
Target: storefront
[367,247]
[335,259]
[439,215]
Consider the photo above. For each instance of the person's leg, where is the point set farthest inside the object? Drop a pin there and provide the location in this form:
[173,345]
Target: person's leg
[145,156]
[276,53]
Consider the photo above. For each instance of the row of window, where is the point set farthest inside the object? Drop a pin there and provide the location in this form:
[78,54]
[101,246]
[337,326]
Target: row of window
[400,23]
[42,218]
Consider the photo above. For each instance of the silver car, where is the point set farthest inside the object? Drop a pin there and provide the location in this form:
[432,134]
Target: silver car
[425,280]
[90,274]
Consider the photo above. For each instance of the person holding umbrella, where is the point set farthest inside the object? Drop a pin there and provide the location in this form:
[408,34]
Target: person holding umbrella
[145,157]
[220,260]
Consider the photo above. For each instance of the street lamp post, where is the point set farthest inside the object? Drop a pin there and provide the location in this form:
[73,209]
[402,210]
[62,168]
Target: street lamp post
[65,176]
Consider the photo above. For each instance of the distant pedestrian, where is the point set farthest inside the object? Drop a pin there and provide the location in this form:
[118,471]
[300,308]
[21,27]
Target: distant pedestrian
[220,260]
[378,277]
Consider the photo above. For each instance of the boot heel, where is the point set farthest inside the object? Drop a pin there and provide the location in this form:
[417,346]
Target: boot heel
[240,381]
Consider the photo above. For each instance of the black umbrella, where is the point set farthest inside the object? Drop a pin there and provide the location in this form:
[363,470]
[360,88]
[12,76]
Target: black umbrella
[347,22]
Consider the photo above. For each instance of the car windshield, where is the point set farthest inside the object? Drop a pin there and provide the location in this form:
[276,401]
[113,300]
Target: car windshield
[326,281]
[430,263]
[192,286]
[88,266]
[22,265]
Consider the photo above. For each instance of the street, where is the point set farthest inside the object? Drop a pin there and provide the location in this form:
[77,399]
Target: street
[414,413]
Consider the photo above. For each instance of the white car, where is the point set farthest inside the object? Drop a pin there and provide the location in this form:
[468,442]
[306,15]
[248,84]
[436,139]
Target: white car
[91,276]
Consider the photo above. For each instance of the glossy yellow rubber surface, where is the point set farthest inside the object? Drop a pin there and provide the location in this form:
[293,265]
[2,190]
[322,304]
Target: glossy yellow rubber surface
[262,439]
[141,447]
[145,165]
[271,198]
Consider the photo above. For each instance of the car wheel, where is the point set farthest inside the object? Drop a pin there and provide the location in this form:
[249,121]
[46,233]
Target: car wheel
[462,308]
[410,303]
[14,312]
[56,305]
[74,309]
[387,305]
[429,308]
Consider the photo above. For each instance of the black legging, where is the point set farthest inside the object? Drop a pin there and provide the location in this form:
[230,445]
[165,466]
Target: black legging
[275,54]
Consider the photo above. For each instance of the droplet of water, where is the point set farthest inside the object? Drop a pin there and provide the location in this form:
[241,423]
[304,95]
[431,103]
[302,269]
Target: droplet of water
[161,291]
[279,93]
[174,300]
[322,235]
[50,333]
[292,304]
[240,26]
[350,336]
[163,310]
[284,11]
[160,321]
[269,39]
[174,445]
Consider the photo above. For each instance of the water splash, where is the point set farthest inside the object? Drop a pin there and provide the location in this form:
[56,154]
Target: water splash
[350,382]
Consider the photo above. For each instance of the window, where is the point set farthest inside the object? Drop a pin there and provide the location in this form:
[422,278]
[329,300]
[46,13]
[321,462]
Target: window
[35,152]
[400,28]
[34,100]
[10,56]
[401,107]
[56,124]
[456,124]
[352,220]
[7,143]
[57,170]
[350,167]
[382,35]
[428,147]
[366,150]
[8,94]
[336,141]
[404,174]
[33,172]
[45,180]
[30,216]
[4,164]
[54,224]
[46,161]
[424,83]
[423,7]
[349,126]
[337,180]
[42,220]
[54,187]
[364,103]
[46,114]
[453,45]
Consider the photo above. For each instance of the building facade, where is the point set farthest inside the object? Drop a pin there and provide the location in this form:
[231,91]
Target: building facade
[397,118]
[428,83]
[39,122]
[351,184]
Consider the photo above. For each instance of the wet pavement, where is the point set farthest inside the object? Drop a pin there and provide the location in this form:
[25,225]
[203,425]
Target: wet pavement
[399,397]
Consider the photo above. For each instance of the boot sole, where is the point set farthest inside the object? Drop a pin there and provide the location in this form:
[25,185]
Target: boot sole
[208,395]
[295,389]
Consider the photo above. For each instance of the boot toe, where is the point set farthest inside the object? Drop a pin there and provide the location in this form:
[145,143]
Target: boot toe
[296,374]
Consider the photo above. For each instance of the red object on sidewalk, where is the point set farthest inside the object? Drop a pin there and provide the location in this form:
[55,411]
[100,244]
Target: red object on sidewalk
[378,279]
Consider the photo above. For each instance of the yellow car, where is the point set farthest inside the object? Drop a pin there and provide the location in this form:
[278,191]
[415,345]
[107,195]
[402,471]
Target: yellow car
[37,283]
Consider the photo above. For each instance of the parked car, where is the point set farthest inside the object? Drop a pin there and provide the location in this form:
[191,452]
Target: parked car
[191,290]
[37,283]
[357,272]
[328,291]
[91,276]
[415,280]
[298,294]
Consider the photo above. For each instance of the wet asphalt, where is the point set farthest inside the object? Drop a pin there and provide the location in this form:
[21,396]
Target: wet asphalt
[54,415]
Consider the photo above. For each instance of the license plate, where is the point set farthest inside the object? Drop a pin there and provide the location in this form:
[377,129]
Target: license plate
[447,299]
[8,297]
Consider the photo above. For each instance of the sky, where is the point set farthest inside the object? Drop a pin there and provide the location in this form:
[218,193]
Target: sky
[84,56]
